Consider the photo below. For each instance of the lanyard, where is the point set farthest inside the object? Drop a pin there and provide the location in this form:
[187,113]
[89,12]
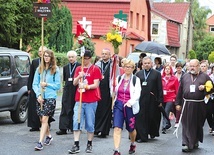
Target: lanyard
[86,72]
[71,72]
[104,69]
[146,76]
[193,80]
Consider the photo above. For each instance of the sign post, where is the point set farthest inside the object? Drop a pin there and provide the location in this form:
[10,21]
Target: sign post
[42,9]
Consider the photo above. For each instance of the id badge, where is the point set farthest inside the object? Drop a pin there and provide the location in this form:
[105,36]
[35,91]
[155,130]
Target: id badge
[70,79]
[144,83]
[192,88]
[164,92]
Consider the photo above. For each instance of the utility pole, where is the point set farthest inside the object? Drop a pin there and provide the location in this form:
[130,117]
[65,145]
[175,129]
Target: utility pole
[188,28]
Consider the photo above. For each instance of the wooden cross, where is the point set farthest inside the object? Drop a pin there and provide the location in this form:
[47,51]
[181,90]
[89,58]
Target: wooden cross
[86,25]
[121,16]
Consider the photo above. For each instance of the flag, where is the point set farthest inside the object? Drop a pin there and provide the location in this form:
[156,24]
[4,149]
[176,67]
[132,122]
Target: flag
[114,72]
[119,24]
[120,21]
[80,30]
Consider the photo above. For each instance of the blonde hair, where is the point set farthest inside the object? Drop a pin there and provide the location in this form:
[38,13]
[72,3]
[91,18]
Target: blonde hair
[128,62]
[52,64]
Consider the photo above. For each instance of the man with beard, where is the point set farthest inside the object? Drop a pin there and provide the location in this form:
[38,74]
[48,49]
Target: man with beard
[191,95]
[149,117]
[33,119]
[68,97]
[103,114]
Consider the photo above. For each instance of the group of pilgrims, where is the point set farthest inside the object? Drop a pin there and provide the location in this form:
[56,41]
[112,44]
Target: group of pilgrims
[142,95]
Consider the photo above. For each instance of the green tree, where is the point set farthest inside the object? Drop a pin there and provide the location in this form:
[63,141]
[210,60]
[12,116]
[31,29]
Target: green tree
[199,20]
[17,22]
[211,57]
[205,47]
[192,54]
[60,29]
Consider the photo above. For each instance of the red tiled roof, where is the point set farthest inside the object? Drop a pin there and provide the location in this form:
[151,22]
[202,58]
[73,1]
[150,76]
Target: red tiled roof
[135,36]
[100,12]
[174,11]
[210,20]
[173,34]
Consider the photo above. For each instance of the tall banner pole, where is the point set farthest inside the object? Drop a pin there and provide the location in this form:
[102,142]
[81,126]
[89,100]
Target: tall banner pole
[42,42]
[42,9]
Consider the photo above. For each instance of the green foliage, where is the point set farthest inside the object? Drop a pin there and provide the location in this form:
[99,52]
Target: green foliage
[199,15]
[192,54]
[60,29]
[86,42]
[17,22]
[211,57]
[61,58]
[205,47]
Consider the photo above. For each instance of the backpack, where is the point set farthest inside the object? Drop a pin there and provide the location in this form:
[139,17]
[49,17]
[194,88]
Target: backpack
[133,80]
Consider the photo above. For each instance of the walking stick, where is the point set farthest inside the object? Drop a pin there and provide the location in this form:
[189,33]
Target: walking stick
[81,80]
[176,130]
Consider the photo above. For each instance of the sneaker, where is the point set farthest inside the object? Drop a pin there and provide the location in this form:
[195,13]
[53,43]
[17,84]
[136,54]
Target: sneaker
[116,153]
[132,149]
[88,149]
[196,145]
[185,149]
[48,140]
[74,149]
[163,131]
[176,125]
[39,146]
[168,127]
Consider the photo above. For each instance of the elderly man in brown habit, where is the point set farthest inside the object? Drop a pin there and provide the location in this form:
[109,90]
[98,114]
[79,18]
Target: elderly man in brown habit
[191,95]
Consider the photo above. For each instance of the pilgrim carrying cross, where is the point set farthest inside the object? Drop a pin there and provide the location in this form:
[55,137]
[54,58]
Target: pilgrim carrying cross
[121,16]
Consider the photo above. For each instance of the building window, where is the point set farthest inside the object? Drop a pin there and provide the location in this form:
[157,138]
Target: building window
[212,29]
[155,29]
[131,48]
[143,23]
[137,21]
[131,19]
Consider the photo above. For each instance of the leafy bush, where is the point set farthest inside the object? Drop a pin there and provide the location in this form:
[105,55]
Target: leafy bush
[62,59]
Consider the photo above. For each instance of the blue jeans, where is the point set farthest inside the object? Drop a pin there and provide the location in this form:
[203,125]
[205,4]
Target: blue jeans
[168,107]
[88,111]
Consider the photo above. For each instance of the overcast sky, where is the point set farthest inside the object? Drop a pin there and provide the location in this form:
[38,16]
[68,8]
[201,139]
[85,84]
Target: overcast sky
[208,3]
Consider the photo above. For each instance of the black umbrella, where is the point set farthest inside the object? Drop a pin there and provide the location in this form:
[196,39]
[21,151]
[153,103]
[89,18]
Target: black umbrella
[153,47]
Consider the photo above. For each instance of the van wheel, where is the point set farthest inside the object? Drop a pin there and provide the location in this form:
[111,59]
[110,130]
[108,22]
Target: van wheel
[20,114]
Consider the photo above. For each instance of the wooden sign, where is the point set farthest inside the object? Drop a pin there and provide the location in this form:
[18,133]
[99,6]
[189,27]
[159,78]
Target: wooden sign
[42,10]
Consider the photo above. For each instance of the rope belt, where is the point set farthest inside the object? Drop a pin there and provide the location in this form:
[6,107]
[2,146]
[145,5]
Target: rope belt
[179,122]
[190,100]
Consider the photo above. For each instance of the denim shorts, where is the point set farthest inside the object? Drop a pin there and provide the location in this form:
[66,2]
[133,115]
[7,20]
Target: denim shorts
[88,111]
[122,114]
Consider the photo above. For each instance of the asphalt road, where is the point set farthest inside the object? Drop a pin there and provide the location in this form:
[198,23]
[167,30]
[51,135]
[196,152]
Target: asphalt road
[15,139]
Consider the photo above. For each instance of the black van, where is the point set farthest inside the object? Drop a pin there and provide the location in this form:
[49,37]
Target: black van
[14,72]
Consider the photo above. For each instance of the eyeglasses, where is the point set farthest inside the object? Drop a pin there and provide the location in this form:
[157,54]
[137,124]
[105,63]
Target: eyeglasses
[128,67]
[47,56]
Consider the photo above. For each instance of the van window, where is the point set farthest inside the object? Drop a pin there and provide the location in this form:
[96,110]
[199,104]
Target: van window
[5,70]
[22,64]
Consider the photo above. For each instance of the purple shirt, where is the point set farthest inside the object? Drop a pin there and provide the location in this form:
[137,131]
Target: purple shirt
[123,93]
